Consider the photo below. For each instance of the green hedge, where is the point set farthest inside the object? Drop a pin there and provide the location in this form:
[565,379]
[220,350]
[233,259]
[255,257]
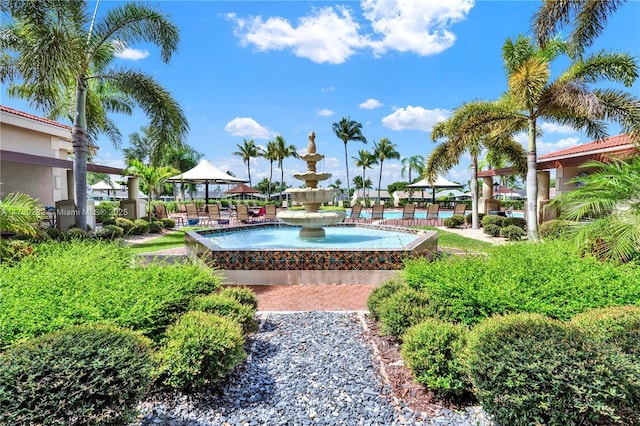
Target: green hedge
[403,309]
[244,295]
[379,294]
[66,284]
[85,375]
[225,306]
[548,278]
[528,369]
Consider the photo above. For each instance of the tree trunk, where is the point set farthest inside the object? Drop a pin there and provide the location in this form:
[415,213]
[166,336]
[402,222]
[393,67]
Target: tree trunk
[380,180]
[364,191]
[475,220]
[346,163]
[80,141]
[532,184]
[270,180]
[249,172]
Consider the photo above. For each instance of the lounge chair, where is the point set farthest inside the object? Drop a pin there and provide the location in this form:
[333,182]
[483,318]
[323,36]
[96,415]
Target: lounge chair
[242,213]
[193,218]
[509,211]
[270,213]
[377,212]
[160,212]
[408,213]
[459,209]
[356,211]
[433,214]
[215,216]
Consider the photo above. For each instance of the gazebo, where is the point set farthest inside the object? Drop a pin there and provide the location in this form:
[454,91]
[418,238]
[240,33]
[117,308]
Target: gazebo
[205,173]
[439,183]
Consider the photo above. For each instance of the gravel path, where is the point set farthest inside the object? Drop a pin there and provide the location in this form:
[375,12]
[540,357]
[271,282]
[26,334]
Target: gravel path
[303,369]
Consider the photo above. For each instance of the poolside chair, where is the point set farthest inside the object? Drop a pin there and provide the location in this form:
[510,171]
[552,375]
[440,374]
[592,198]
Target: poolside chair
[193,218]
[215,216]
[509,211]
[408,213]
[433,212]
[270,213]
[160,212]
[356,211]
[242,213]
[377,212]
[459,209]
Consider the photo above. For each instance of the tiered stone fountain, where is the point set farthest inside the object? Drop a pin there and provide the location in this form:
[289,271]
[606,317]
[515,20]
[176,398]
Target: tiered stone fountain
[311,220]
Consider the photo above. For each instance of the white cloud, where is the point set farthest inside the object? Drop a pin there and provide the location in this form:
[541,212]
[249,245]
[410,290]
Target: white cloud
[325,112]
[327,89]
[245,126]
[546,147]
[132,54]
[333,34]
[415,118]
[557,128]
[370,104]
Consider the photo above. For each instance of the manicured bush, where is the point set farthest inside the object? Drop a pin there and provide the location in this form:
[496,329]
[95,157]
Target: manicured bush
[111,221]
[54,233]
[106,210]
[95,281]
[491,229]
[227,307]
[14,250]
[155,227]
[75,234]
[403,309]
[126,224]
[492,219]
[84,375]
[453,221]
[109,232]
[244,295]
[549,278]
[140,227]
[618,326]
[520,222]
[168,223]
[528,369]
[379,295]
[512,232]
[468,219]
[201,348]
[554,229]
[431,350]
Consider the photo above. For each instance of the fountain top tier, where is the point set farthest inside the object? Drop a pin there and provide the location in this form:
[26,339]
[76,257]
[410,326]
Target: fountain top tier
[311,177]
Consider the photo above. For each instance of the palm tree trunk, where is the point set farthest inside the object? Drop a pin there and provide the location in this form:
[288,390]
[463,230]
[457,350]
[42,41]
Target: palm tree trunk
[380,180]
[270,180]
[475,222]
[532,184]
[249,172]
[346,163]
[80,141]
[364,191]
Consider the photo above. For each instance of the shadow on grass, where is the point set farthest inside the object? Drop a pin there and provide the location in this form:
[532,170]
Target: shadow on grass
[167,241]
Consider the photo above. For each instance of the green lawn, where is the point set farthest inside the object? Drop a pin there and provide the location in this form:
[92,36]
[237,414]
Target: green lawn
[169,240]
[455,241]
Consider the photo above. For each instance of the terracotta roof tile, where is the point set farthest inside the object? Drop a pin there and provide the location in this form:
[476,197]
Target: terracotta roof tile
[33,117]
[591,147]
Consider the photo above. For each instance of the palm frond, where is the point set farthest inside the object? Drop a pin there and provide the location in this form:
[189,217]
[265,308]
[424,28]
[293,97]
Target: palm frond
[528,81]
[20,213]
[616,67]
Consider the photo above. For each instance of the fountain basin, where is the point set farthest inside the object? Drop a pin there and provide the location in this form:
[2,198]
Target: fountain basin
[251,266]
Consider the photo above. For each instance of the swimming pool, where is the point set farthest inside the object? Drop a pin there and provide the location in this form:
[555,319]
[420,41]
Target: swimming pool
[396,214]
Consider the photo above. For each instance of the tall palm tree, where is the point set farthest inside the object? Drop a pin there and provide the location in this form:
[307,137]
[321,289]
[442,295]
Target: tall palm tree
[348,130]
[588,18]
[415,163]
[271,154]
[610,199]
[568,100]
[141,146]
[365,159]
[460,139]
[363,184]
[247,151]
[152,178]
[76,61]
[284,151]
[381,151]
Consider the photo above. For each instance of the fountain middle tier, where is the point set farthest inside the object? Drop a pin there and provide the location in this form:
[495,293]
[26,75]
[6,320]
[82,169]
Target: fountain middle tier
[310,219]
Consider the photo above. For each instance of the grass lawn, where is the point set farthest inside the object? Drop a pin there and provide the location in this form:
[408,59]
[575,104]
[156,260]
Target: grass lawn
[455,241]
[169,240]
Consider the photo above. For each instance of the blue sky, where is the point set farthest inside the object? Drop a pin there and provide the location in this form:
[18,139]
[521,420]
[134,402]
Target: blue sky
[256,69]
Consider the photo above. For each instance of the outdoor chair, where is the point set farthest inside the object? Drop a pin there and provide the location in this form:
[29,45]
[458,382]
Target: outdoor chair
[377,212]
[215,216]
[356,211]
[242,213]
[160,211]
[270,213]
[193,218]
[509,211]
[408,213]
[433,214]
[459,209]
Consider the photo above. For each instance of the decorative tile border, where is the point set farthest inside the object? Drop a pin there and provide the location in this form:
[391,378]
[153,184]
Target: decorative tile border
[309,259]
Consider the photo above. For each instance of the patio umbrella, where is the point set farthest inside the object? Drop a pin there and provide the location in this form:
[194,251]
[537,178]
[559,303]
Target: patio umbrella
[103,185]
[206,173]
[439,183]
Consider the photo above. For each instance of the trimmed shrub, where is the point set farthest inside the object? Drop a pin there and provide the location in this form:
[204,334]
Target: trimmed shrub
[493,219]
[168,223]
[403,309]
[106,222]
[75,234]
[106,210]
[618,326]
[468,219]
[453,221]
[14,250]
[155,227]
[528,369]
[226,307]
[244,295]
[109,232]
[431,350]
[379,295]
[520,222]
[491,229]
[512,232]
[84,375]
[54,233]
[554,229]
[126,224]
[140,227]
[201,348]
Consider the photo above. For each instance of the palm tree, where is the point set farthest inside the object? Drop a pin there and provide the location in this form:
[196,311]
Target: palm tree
[610,199]
[414,163]
[141,147]
[20,213]
[152,178]
[587,16]
[365,159]
[271,154]
[567,100]
[348,130]
[383,150]
[284,151]
[363,184]
[72,71]
[460,139]
[247,151]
